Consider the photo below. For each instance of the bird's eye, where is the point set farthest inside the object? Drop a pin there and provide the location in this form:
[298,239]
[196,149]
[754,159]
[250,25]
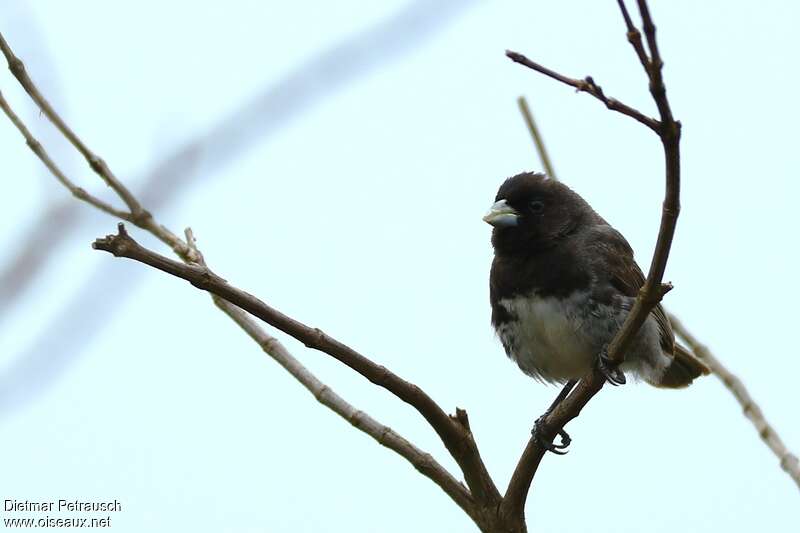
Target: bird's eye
[536,206]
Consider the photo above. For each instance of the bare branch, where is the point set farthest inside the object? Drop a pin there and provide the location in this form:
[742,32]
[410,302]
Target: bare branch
[522,477]
[42,154]
[634,37]
[649,295]
[589,86]
[17,68]
[384,435]
[536,136]
[669,126]
[456,436]
[788,461]
[650,35]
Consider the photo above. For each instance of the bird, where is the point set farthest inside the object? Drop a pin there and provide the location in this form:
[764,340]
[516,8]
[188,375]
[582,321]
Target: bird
[561,284]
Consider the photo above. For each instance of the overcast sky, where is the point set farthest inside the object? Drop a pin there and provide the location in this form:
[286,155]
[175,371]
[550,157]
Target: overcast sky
[350,196]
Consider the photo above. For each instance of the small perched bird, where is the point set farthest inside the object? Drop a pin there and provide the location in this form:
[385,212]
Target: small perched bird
[561,285]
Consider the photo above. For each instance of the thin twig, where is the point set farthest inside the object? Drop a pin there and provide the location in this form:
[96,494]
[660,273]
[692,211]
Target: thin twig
[657,89]
[536,136]
[650,34]
[17,68]
[40,152]
[788,461]
[634,37]
[589,86]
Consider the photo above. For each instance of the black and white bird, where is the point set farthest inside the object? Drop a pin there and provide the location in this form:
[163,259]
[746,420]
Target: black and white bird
[562,283]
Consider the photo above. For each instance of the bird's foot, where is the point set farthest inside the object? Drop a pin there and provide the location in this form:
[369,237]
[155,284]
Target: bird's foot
[549,444]
[610,370]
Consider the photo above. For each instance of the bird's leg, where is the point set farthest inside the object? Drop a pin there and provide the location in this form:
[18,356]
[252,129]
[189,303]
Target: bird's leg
[610,370]
[538,430]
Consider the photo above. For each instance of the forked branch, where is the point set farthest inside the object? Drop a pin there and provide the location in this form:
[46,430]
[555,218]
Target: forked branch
[454,430]
[653,290]
[480,498]
[17,68]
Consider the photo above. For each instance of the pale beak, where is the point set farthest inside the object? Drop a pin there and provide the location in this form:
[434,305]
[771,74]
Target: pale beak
[501,215]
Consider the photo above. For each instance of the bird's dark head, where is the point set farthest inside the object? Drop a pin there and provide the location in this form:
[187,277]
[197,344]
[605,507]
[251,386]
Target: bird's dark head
[532,212]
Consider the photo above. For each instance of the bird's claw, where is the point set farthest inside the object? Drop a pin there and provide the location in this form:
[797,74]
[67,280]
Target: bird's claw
[550,445]
[610,370]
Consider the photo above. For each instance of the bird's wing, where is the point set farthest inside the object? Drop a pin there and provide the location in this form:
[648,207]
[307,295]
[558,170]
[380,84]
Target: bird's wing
[614,260]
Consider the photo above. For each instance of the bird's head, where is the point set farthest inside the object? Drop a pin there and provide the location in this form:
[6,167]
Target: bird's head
[532,212]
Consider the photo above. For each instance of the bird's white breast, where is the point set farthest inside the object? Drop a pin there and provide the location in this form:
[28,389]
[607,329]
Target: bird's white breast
[549,338]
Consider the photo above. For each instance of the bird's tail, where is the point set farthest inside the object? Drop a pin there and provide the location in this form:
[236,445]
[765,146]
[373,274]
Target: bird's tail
[683,369]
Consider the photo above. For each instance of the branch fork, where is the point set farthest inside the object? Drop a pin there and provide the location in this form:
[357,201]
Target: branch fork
[478,497]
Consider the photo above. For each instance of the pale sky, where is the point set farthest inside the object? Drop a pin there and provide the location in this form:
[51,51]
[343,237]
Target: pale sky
[352,201]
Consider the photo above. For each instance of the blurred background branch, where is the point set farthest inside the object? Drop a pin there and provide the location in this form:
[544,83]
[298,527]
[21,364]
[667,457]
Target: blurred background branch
[538,141]
[787,460]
